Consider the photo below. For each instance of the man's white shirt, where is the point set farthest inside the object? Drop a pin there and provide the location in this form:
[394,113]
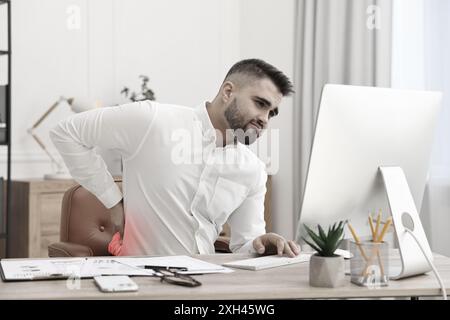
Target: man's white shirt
[178,187]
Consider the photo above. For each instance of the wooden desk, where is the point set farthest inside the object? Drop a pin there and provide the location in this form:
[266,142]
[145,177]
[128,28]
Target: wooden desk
[288,282]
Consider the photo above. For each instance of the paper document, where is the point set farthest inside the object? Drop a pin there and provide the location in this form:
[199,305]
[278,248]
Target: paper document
[34,269]
[193,265]
[60,268]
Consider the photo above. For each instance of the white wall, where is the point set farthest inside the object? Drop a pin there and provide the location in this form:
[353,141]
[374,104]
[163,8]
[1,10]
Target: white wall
[267,32]
[185,47]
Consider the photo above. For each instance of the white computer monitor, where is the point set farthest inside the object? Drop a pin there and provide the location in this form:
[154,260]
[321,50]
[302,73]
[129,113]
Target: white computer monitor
[358,130]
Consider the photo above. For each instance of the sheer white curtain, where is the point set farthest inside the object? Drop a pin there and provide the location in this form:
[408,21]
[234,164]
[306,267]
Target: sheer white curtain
[437,77]
[421,60]
[341,42]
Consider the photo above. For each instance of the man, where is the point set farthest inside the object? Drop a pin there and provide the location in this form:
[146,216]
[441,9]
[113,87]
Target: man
[177,190]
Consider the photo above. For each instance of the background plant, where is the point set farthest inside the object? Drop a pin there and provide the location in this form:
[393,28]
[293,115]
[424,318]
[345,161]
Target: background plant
[145,94]
[326,243]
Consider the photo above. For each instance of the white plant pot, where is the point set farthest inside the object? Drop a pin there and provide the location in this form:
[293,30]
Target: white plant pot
[328,272]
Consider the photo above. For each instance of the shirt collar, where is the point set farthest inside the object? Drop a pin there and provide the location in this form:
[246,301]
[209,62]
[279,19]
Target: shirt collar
[208,130]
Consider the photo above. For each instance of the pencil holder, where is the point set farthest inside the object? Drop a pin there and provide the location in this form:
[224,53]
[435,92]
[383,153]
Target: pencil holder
[369,265]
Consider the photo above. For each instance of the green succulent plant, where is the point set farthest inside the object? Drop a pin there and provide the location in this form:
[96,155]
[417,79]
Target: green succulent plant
[326,243]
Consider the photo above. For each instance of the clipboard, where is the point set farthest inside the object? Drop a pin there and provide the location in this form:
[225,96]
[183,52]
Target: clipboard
[27,269]
[65,268]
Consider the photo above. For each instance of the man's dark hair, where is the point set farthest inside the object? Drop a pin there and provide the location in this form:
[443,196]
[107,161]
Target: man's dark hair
[261,69]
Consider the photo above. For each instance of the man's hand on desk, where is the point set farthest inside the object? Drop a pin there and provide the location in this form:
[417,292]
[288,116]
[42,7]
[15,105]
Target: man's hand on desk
[272,243]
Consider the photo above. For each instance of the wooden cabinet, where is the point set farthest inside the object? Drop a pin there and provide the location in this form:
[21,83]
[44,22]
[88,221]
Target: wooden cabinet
[35,216]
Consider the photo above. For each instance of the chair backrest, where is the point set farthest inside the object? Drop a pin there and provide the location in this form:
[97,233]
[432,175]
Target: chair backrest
[86,221]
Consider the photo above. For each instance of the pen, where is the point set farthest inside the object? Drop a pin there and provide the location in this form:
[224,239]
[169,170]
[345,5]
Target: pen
[378,225]
[355,236]
[358,242]
[50,276]
[385,228]
[165,268]
[372,228]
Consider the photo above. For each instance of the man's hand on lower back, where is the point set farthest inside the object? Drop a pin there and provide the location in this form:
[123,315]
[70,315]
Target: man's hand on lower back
[118,218]
[272,243]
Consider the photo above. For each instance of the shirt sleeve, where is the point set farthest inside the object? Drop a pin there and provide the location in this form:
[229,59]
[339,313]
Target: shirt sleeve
[247,222]
[121,128]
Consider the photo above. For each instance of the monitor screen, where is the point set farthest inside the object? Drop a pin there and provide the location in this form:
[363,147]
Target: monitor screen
[358,130]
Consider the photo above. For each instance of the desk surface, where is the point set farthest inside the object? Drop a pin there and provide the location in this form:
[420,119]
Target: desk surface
[287,282]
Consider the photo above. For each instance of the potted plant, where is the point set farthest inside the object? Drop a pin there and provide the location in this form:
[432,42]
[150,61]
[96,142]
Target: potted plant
[326,269]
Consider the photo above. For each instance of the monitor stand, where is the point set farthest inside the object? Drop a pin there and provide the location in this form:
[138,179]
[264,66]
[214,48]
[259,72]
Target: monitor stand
[405,215]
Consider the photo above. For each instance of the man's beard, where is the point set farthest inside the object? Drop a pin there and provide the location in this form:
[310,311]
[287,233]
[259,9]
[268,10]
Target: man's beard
[237,123]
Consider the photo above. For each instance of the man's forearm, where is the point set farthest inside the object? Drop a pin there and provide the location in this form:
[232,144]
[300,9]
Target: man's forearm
[85,166]
[121,128]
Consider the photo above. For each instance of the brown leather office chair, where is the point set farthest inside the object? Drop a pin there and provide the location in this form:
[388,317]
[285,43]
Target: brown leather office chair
[86,228]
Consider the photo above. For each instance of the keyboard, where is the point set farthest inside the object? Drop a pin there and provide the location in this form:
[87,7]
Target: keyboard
[267,262]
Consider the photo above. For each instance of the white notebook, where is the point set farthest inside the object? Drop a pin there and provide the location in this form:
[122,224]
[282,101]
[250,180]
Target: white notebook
[267,262]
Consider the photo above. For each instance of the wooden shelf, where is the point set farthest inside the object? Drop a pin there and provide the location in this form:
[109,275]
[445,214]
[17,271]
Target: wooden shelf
[5,132]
